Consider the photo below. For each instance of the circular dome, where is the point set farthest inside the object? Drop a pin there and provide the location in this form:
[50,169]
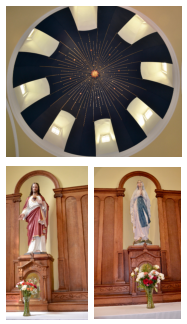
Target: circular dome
[93,81]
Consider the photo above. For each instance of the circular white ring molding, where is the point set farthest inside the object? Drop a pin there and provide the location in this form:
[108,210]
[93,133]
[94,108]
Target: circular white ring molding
[57,151]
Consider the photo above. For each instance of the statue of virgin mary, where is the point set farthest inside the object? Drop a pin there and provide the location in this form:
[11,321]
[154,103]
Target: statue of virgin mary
[140,214]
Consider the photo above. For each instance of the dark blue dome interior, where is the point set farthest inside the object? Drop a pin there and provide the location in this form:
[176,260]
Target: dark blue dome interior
[88,99]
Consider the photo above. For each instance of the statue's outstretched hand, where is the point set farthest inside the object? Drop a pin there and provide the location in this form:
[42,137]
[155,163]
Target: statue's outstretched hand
[21,217]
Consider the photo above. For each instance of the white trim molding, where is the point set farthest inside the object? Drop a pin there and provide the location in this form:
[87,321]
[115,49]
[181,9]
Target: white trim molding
[13,128]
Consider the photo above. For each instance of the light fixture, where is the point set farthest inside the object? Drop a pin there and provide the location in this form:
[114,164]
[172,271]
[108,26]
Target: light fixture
[105,138]
[164,68]
[31,34]
[23,90]
[148,114]
[55,130]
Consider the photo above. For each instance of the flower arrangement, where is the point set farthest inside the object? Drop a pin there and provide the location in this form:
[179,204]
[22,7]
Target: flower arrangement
[148,279]
[28,287]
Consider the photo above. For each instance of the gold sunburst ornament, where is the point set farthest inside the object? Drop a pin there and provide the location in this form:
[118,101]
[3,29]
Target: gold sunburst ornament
[95,74]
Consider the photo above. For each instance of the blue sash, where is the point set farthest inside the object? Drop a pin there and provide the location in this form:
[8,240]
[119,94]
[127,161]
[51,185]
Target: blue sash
[141,209]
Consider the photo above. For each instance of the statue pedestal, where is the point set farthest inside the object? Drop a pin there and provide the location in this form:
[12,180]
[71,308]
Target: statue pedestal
[138,255]
[42,264]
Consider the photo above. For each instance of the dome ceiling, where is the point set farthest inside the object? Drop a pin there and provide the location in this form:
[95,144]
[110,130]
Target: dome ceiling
[94,75]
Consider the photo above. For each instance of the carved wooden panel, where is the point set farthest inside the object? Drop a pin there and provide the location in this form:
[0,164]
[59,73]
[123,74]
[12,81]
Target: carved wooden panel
[111,289]
[175,261]
[64,296]
[179,204]
[108,241]
[96,234]
[84,205]
[75,282]
[171,286]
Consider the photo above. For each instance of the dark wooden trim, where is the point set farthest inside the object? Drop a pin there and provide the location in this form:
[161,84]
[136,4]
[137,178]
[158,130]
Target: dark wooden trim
[142,174]
[34,174]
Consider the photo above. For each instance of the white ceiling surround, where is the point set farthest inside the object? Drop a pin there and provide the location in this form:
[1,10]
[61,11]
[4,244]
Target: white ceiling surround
[135,29]
[104,127]
[40,43]
[35,90]
[85,17]
[153,71]
[137,108]
[64,122]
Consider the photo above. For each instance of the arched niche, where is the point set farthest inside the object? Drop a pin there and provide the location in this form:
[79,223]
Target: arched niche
[35,173]
[46,189]
[151,183]
[14,202]
[139,173]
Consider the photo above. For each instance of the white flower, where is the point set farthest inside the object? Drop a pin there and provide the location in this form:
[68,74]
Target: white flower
[136,270]
[161,276]
[34,291]
[156,285]
[24,287]
[154,272]
[132,274]
[137,279]
[158,280]
[140,275]
[156,267]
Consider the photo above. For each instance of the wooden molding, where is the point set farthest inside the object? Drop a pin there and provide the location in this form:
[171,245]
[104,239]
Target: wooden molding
[111,289]
[61,191]
[164,193]
[58,296]
[33,174]
[109,192]
[14,197]
[139,173]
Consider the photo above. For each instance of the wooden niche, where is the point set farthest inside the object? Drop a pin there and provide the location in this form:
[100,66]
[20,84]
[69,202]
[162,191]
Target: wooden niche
[72,232]
[113,265]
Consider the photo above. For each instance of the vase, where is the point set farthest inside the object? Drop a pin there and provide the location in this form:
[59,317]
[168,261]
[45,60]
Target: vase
[149,293]
[26,306]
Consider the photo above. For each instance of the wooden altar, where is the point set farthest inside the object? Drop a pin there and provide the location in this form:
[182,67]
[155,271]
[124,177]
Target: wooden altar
[72,234]
[113,265]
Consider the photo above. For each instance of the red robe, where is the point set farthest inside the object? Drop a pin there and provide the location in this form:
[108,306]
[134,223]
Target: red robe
[34,228]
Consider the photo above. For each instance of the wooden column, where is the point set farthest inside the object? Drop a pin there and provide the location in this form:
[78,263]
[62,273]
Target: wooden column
[100,241]
[178,222]
[12,237]
[118,237]
[81,245]
[60,229]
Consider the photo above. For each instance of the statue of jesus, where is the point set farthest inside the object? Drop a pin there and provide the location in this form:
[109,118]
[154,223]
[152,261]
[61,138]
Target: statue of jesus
[35,212]
[140,214]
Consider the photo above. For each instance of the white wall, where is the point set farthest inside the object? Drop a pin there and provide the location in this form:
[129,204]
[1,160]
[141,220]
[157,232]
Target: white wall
[35,90]
[40,43]
[85,17]
[135,29]
[153,71]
